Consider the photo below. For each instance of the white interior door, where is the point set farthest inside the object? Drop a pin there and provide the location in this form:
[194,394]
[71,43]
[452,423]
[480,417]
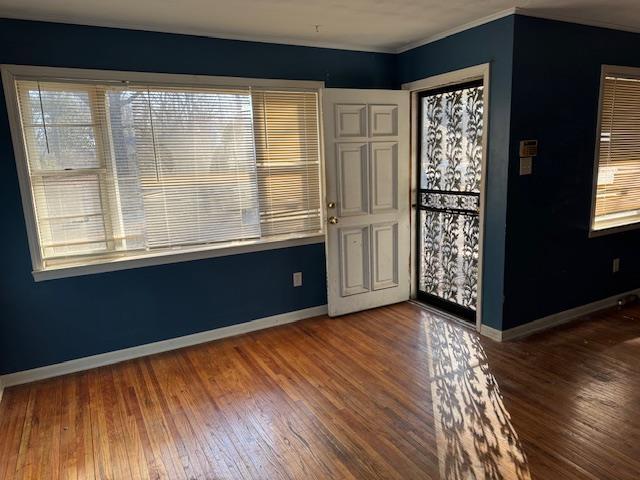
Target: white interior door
[366,136]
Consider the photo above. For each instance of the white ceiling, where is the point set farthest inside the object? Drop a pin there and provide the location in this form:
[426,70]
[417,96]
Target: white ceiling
[379,25]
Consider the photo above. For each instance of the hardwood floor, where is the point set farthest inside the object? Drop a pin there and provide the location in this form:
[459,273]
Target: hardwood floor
[395,392]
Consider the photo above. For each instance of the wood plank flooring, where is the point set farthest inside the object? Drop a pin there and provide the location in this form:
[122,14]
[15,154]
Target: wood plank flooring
[395,392]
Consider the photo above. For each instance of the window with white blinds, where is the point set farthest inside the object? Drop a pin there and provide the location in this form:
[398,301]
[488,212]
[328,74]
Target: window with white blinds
[617,192]
[119,170]
[287,160]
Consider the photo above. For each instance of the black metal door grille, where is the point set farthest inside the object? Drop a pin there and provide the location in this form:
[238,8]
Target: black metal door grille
[448,203]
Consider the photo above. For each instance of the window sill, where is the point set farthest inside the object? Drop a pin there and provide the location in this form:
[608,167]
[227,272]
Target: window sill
[613,230]
[184,255]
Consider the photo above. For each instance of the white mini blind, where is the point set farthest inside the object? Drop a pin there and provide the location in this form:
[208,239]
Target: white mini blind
[288,160]
[123,169]
[617,201]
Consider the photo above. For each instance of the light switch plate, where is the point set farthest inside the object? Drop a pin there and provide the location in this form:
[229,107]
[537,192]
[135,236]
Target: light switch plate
[526,165]
[297,279]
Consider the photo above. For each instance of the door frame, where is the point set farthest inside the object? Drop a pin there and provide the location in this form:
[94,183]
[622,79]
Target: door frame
[469,74]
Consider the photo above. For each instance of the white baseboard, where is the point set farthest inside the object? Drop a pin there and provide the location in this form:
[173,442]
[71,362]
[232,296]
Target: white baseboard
[554,320]
[109,358]
[492,333]
[1,389]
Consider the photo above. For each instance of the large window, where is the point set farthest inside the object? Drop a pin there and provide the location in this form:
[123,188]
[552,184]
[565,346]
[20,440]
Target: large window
[617,191]
[123,170]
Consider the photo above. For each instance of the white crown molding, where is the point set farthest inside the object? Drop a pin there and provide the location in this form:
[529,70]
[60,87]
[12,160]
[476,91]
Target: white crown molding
[453,31]
[517,11]
[579,21]
[117,356]
[196,32]
[321,44]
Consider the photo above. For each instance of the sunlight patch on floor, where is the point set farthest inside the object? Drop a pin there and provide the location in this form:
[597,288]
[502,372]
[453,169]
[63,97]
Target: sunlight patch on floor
[474,433]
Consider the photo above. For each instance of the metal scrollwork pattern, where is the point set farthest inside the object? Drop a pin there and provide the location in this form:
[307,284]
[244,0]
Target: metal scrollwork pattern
[449,197]
[447,201]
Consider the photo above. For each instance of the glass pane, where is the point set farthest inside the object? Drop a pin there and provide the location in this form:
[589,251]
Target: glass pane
[58,127]
[449,256]
[55,103]
[449,201]
[452,128]
[287,152]
[186,165]
[617,201]
[69,211]
[61,148]
[289,197]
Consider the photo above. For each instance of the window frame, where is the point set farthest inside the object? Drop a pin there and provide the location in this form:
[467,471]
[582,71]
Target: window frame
[11,73]
[604,71]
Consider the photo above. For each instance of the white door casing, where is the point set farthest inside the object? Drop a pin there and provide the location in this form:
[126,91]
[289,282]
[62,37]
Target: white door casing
[366,135]
[476,72]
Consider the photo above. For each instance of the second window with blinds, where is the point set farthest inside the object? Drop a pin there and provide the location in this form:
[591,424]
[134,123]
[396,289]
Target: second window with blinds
[616,200]
[126,170]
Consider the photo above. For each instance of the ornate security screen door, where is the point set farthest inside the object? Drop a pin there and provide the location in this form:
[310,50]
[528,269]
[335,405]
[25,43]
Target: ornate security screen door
[450,171]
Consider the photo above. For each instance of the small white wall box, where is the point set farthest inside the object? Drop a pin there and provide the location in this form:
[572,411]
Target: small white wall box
[528,148]
[526,165]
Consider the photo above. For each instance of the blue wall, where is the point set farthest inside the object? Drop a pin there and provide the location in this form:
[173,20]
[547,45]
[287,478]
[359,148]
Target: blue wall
[57,320]
[551,263]
[490,43]
[544,85]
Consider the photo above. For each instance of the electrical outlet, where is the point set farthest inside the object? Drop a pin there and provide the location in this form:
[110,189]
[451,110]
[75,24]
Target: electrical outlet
[616,265]
[297,279]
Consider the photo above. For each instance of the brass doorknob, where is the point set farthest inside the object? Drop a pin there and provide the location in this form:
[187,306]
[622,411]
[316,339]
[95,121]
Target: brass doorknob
[331,205]
[333,220]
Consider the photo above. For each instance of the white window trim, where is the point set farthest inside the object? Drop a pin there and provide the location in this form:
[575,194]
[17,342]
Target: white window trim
[606,70]
[11,73]
[182,255]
